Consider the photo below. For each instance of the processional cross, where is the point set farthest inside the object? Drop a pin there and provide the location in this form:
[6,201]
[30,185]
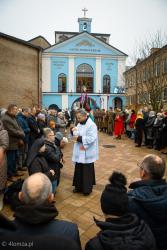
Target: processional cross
[84,10]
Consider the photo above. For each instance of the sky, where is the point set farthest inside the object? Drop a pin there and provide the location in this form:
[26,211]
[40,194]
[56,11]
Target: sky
[128,21]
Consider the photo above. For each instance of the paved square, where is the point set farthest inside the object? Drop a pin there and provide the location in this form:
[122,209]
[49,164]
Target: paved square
[81,209]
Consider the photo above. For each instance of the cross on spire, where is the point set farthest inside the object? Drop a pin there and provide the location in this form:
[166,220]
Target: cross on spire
[84,10]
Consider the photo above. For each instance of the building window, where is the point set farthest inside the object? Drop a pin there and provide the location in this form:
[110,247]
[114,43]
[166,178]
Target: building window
[165,94]
[165,66]
[62,83]
[157,69]
[84,77]
[106,84]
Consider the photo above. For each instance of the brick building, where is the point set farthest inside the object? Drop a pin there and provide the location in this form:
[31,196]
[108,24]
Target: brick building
[20,72]
[146,82]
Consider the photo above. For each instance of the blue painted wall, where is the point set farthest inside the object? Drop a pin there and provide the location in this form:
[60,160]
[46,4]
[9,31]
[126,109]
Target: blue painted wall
[51,99]
[84,45]
[109,67]
[58,66]
[57,99]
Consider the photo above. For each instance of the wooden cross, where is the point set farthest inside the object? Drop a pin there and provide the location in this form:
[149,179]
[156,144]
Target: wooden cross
[84,10]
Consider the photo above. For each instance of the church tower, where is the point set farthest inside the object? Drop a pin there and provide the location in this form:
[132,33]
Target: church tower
[84,22]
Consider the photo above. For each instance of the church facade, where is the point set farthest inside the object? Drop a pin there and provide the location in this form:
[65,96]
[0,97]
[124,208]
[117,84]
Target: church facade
[83,60]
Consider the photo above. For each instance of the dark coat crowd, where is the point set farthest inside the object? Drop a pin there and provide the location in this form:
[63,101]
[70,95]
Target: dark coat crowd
[134,218]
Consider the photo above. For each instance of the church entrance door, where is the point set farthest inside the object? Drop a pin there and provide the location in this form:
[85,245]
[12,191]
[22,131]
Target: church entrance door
[117,103]
[84,77]
[77,103]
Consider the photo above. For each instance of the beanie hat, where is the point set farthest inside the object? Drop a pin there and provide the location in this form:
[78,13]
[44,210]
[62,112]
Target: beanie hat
[114,199]
[59,136]
[41,116]
[151,113]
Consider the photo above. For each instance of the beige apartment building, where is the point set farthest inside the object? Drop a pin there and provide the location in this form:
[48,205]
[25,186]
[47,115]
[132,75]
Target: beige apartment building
[20,71]
[146,82]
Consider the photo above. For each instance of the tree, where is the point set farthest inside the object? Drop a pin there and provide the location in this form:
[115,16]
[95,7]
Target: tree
[151,80]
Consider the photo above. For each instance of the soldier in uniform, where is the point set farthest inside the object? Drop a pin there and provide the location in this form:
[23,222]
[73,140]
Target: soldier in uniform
[111,117]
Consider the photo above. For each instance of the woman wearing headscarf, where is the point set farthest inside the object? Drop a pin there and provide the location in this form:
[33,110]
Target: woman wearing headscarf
[118,124]
[37,162]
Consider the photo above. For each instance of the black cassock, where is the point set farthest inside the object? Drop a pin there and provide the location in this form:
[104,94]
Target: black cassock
[84,177]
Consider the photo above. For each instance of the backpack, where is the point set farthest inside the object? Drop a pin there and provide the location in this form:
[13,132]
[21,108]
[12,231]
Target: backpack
[11,194]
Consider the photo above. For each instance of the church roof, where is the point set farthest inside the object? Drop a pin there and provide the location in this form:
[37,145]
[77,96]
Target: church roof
[76,33]
[18,40]
[41,38]
[90,34]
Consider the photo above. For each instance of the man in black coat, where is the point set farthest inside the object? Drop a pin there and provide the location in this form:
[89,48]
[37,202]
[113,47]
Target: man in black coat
[148,197]
[34,129]
[120,230]
[16,136]
[9,239]
[36,216]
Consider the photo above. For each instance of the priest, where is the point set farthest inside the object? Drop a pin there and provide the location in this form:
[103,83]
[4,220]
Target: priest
[85,153]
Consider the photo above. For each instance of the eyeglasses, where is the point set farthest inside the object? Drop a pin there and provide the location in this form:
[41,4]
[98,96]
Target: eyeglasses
[139,164]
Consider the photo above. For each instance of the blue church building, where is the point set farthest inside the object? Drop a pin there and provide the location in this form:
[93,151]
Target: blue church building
[83,60]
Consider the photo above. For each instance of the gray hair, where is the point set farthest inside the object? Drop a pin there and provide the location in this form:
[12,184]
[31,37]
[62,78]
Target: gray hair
[82,112]
[26,110]
[36,189]
[46,132]
[155,166]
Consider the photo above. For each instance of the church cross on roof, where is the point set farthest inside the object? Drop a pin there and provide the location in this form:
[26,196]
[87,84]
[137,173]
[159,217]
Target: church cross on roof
[84,10]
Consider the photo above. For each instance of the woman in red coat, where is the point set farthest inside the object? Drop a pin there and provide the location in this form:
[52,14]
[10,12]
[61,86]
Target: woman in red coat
[132,119]
[118,124]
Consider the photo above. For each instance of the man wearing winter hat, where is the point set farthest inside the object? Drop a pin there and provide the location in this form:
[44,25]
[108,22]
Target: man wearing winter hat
[120,230]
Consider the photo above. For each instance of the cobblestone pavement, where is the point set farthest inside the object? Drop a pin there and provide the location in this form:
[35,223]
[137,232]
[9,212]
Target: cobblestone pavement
[122,156]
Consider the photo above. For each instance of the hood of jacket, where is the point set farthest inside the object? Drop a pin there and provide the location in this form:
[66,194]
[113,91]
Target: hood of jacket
[34,150]
[151,195]
[1,126]
[124,233]
[35,214]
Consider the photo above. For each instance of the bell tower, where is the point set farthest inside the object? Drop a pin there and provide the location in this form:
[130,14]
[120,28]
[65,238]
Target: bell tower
[84,22]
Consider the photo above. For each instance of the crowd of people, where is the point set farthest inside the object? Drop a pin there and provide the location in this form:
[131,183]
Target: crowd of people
[145,127]
[33,140]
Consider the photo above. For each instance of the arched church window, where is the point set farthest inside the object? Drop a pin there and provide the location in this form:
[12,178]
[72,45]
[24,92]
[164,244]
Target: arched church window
[106,84]
[62,83]
[84,77]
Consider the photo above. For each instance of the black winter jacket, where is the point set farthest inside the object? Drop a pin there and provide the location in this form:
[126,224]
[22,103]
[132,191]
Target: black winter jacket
[39,164]
[125,233]
[148,200]
[52,155]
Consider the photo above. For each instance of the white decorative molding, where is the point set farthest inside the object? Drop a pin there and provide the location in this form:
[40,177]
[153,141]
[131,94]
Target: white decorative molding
[46,71]
[64,101]
[97,88]
[71,74]
[102,56]
[121,70]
